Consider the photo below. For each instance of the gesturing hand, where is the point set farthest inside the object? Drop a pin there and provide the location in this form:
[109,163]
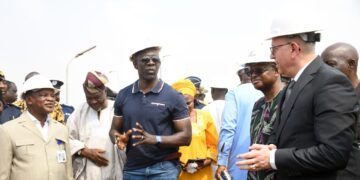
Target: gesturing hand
[95,155]
[142,137]
[121,140]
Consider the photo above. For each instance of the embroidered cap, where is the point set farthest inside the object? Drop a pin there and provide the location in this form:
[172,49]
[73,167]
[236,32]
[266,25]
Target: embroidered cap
[95,82]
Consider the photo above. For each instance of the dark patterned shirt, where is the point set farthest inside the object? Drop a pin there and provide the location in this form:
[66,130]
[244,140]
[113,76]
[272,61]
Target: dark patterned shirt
[262,121]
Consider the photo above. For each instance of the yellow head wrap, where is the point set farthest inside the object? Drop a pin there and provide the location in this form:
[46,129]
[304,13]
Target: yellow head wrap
[185,86]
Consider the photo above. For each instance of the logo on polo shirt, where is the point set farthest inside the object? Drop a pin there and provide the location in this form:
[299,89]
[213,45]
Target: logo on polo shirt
[158,104]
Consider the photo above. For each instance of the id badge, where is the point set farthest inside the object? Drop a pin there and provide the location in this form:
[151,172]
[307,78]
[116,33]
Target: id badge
[61,156]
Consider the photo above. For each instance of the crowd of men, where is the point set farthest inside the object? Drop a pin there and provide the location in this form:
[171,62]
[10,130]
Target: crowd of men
[295,115]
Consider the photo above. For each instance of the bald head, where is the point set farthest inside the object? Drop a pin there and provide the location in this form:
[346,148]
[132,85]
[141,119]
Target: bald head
[343,57]
[31,74]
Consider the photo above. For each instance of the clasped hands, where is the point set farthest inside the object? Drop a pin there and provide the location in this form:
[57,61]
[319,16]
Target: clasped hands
[257,159]
[141,136]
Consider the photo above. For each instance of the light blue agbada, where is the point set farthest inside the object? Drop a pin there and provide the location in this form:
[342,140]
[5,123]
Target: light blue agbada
[235,127]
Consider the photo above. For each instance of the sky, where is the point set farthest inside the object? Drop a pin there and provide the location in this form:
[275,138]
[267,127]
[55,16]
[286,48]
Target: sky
[206,38]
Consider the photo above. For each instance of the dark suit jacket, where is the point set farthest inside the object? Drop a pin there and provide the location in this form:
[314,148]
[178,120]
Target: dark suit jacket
[315,131]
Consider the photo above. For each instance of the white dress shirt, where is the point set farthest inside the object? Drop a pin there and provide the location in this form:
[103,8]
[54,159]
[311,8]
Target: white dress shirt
[272,152]
[45,129]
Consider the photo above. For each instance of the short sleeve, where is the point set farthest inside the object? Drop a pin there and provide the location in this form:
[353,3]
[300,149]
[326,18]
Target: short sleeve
[118,103]
[180,110]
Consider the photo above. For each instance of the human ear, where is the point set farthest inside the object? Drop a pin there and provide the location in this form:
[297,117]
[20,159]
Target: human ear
[135,64]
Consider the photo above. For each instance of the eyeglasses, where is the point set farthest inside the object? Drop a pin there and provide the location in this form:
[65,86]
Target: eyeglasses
[274,48]
[146,59]
[257,70]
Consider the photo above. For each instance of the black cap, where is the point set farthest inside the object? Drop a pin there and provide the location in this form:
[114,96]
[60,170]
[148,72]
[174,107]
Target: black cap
[195,80]
[56,83]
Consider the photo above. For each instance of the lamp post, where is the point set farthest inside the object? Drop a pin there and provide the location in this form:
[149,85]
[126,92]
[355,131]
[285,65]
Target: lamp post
[162,59]
[67,69]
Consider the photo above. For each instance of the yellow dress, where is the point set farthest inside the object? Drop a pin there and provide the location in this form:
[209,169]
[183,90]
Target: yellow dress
[203,145]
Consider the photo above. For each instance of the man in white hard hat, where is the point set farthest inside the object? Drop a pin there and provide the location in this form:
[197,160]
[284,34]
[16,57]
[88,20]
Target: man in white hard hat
[266,78]
[35,146]
[314,130]
[155,120]
[234,137]
[218,92]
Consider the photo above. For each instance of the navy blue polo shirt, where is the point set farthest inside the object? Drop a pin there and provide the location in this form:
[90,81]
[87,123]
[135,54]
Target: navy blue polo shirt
[155,111]
[67,110]
[10,112]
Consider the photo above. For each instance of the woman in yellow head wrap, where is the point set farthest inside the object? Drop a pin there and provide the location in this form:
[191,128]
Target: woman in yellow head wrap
[198,156]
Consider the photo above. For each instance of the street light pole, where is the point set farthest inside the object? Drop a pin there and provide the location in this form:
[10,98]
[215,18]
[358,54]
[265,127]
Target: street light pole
[162,59]
[67,70]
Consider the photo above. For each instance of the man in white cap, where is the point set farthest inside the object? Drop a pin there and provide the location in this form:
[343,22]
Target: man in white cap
[155,120]
[218,92]
[34,146]
[315,128]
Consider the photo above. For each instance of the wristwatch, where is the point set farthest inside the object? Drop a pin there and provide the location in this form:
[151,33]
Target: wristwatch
[158,140]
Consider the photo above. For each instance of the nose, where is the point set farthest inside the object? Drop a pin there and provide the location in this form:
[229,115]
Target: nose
[50,97]
[152,61]
[253,75]
[272,56]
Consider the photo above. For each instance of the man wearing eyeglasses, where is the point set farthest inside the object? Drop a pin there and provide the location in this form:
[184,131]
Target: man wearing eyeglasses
[151,121]
[314,129]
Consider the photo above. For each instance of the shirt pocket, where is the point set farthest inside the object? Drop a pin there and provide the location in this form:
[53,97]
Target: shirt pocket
[24,147]
[158,108]
[61,142]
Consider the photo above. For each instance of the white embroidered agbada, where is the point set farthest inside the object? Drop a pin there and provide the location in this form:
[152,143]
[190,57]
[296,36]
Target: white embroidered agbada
[86,129]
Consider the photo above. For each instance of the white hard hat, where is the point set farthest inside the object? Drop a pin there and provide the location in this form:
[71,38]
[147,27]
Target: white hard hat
[144,48]
[37,82]
[290,25]
[258,55]
[140,44]
[218,83]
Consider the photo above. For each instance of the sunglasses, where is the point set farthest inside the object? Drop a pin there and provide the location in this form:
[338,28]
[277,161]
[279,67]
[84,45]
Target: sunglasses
[146,59]
[257,70]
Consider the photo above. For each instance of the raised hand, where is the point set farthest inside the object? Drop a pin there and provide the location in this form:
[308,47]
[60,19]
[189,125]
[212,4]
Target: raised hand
[142,136]
[121,140]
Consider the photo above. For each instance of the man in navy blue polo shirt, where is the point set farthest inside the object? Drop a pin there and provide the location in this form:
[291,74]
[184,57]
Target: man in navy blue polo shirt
[151,120]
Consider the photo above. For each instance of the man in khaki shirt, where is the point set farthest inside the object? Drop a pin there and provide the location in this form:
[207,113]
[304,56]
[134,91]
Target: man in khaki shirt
[34,146]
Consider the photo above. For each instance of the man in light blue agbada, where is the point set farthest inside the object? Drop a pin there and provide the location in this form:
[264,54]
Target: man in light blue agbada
[235,128]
